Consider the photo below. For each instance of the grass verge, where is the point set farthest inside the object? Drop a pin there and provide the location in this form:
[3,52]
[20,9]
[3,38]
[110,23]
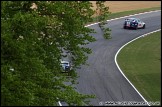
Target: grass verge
[140,62]
[125,13]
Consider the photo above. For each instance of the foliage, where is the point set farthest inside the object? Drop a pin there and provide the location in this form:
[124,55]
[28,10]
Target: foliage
[32,40]
[103,13]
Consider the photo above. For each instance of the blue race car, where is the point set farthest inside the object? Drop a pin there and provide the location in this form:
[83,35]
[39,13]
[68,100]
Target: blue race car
[134,23]
[66,65]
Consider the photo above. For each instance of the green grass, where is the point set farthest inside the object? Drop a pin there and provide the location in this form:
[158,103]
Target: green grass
[140,61]
[125,13]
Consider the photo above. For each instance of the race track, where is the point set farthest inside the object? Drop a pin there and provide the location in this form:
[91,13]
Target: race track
[102,77]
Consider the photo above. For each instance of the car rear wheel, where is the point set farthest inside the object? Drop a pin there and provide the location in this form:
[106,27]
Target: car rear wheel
[143,26]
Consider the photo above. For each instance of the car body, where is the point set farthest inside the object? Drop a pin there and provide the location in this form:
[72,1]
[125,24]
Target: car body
[133,23]
[66,65]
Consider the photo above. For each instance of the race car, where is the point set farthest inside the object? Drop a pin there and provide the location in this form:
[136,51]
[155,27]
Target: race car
[134,23]
[66,65]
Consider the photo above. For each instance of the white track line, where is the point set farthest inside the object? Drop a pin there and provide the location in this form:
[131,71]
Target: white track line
[59,103]
[122,71]
[112,20]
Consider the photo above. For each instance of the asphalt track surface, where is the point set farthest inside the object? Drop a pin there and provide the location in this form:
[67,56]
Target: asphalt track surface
[102,77]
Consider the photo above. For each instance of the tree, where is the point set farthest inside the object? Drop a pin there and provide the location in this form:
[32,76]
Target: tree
[103,13]
[31,45]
